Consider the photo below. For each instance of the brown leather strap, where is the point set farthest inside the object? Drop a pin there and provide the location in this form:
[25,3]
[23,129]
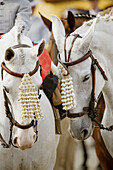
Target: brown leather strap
[92,100]
[76,115]
[62,64]
[75,37]
[89,53]
[65,54]
[4,67]
[23,126]
[65,48]
[9,114]
[101,70]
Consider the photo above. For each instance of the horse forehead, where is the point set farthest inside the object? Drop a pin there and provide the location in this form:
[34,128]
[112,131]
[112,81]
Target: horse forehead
[21,49]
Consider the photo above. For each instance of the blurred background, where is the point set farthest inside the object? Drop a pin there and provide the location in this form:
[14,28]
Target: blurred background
[57,7]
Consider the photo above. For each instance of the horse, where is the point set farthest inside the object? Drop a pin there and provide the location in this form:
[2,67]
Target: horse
[32,141]
[89,59]
[70,23]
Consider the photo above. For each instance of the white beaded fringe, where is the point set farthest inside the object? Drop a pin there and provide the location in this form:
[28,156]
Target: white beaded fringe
[67,92]
[29,99]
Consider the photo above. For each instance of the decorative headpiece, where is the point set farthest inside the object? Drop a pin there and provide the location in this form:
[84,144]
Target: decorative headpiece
[29,99]
[67,92]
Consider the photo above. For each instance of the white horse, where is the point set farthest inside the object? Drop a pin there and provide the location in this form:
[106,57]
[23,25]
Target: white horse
[42,153]
[95,35]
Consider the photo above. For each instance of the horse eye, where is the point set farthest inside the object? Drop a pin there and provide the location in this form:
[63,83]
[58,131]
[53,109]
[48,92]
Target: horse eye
[86,77]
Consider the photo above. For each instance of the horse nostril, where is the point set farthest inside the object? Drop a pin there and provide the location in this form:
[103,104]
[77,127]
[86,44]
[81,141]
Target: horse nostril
[84,133]
[15,141]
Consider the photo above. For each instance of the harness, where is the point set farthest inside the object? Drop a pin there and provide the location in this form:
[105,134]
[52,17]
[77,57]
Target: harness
[8,113]
[91,110]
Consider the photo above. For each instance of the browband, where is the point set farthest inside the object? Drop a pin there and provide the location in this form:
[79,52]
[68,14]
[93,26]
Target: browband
[89,54]
[4,67]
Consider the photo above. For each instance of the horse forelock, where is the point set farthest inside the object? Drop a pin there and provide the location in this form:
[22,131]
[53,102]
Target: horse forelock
[105,18]
[82,15]
[20,32]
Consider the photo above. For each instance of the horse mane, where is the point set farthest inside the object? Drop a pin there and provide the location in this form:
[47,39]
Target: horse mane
[99,18]
[82,15]
[102,15]
[86,16]
[106,11]
[20,32]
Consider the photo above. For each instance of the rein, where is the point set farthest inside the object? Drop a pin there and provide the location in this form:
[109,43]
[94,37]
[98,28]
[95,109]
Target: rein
[8,113]
[92,111]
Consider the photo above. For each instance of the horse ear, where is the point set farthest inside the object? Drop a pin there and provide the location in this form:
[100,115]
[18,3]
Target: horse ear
[87,39]
[41,47]
[71,20]
[38,49]
[9,54]
[58,32]
[47,22]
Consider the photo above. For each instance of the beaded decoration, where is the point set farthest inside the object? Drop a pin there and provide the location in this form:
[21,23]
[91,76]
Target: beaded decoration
[67,92]
[29,99]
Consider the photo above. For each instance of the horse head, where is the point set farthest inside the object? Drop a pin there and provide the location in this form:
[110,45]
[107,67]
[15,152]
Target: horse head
[18,60]
[76,55]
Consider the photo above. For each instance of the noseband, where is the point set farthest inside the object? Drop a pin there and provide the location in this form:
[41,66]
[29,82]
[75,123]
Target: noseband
[92,111]
[8,113]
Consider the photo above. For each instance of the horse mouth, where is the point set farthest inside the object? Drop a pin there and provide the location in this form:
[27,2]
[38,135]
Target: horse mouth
[25,147]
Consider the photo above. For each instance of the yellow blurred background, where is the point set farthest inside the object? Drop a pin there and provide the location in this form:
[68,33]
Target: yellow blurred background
[56,8]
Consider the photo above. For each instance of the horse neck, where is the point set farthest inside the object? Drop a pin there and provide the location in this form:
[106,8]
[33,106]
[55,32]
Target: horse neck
[102,50]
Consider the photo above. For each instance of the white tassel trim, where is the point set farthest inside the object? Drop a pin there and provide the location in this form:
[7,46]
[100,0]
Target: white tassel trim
[29,99]
[67,92]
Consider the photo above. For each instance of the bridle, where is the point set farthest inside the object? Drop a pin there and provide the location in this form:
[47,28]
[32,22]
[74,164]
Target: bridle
[8,113]
[91,110]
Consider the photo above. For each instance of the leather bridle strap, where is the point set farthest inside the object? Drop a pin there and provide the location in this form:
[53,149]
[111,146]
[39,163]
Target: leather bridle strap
[75,115]
[99,67]
[91,110]
[75,37]
[87,55]
[4,67]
